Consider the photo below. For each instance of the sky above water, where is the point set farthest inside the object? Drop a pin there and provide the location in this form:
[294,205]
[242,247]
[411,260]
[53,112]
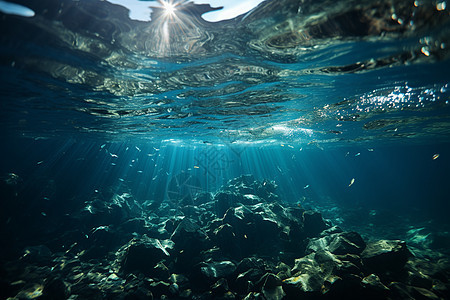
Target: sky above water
[140,10]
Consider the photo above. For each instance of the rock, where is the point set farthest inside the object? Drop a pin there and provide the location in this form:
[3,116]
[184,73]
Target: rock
[226,239]
[338,243]
[188,235]
[225,200]
[374,288]
[320,273]
[144,254]
[168,226]
[217,269]
[202,198]
[313,223]
[302,286]
[220,287]
[137,225]
[40,254]
[307,280]
[255,228]
[160,289]
[139,293]
[179,279]
[421,293]
[385,255]
[249,271]
[247,185]
[283,271]
[189,240]
[188,252]
[403,291]
[347,243]
[271,287]
[56,288]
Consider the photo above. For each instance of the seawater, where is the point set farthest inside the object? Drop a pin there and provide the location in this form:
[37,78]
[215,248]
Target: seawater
[343,104]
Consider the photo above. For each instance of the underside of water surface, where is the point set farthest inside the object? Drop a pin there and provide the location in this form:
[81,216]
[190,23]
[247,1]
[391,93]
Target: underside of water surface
[295,149]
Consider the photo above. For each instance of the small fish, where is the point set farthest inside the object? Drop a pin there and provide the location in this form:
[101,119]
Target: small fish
[154,178]
[301,148]
[39,162]
[306,186]
[196,167]
[113,155]
[279,169]
[358,154]
[113,164]
[352,182]
[105,228]
[370,150]
[335,131]
[102,146]
[44,214]
[290,146]
[139,171]
[121,179]
[436,156]
[137,148]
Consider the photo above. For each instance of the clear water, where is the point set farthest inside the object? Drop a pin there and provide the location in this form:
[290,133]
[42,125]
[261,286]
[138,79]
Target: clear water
[344,104]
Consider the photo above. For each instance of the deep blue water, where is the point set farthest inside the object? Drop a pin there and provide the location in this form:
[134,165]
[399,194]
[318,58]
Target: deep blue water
[345,109]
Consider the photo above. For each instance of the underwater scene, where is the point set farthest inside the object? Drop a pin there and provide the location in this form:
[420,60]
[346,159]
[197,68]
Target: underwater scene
[278,149]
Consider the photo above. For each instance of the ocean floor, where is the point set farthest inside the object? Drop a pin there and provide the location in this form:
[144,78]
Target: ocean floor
[241,242]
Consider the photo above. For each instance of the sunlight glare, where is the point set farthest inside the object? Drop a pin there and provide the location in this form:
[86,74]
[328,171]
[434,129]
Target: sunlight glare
[169,8]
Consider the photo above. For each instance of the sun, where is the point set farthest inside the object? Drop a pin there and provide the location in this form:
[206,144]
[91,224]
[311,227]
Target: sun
[169,7]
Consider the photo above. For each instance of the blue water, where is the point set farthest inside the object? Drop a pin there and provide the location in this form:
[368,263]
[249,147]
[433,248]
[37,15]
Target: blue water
[346,110]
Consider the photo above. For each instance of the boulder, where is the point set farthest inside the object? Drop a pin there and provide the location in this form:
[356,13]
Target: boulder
[338,243]
[374,288]
[313,223]
[384,256]
[217,269]
[271,287]
[143,254]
